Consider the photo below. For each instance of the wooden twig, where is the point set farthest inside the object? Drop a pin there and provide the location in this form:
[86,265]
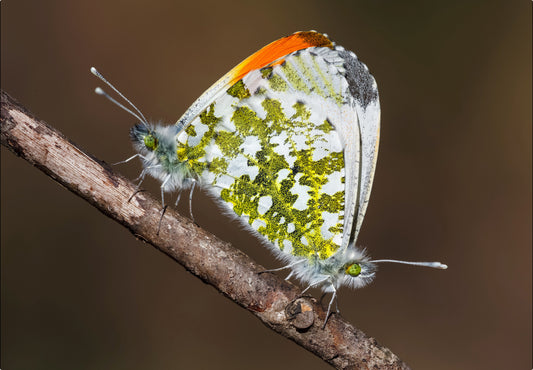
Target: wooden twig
[229,270]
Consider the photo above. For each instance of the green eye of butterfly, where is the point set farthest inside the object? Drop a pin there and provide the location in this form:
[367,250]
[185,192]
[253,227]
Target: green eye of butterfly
[151,142]
[354,269]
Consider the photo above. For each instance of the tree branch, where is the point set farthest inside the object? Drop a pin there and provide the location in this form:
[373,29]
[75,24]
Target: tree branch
[217,263]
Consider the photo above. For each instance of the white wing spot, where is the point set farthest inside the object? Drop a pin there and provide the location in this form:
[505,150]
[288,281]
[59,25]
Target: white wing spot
[239,166]
[257,223]
[264,204]
[330,219]
[200,130]
[182,137]
[303,194]
[290,228]
[251,145]
[334,183]
[287,246]
[282,174]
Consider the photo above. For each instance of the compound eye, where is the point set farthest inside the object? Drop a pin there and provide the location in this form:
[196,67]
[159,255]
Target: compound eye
[353,270]
[151,142]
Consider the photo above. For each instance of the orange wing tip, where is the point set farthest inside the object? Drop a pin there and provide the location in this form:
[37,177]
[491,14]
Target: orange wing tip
[275,51]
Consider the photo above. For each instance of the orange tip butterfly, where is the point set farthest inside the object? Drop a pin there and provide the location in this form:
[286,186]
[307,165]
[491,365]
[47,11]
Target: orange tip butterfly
[287,143]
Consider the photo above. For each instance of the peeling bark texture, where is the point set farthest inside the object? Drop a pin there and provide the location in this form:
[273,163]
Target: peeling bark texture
[271,299]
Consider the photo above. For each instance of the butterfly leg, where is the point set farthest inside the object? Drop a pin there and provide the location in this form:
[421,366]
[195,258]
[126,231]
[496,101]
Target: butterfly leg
[163,184]
[129,159]
[313,285]
[289,276]
[134,194]
[333,297]
[177,199]
[137,190]
[283,268]
[190,200]
[141,178]
[336,301]
[143,175]
[163,210]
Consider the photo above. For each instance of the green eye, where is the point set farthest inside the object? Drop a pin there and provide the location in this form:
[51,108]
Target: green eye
[354,269]
[151,142]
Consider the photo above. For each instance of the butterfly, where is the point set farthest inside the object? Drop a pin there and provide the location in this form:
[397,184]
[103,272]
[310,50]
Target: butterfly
[286,142]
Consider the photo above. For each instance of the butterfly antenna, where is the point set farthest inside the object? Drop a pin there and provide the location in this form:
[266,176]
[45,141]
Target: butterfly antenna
[436,265]
[99,91]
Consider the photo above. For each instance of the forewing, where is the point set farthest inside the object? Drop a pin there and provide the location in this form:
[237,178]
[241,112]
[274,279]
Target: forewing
[364,91]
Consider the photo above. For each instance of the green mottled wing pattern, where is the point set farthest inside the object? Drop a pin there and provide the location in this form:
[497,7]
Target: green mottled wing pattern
[280,150]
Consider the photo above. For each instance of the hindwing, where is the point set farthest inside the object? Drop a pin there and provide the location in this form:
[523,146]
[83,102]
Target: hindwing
[270,150]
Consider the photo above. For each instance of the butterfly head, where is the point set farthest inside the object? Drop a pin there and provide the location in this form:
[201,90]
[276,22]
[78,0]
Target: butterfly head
[144,138]
[357,273]
[351,268]
[157,140]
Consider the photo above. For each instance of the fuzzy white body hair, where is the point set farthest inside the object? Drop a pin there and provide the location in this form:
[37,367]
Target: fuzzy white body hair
[162,164]
[329,274]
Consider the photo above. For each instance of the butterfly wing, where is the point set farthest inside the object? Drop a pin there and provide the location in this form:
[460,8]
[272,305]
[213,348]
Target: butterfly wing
[278,141]
[364,91]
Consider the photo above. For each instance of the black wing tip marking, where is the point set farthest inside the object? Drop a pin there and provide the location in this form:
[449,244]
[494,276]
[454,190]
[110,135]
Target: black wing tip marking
[360,82]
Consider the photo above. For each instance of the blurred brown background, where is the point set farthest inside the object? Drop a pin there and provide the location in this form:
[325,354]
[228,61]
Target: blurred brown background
[453,183]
